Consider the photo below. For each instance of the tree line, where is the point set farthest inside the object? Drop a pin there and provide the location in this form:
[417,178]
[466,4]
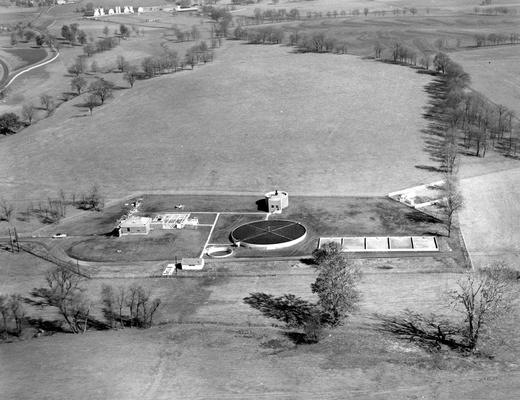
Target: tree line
[54,208]
[494,10]
[496,39]
[65,292]
[170,62]
[187,35]
[262,16]
[481,122]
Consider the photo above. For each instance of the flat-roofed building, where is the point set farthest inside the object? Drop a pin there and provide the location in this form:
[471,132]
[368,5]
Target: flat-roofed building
[192,264]
[135,226]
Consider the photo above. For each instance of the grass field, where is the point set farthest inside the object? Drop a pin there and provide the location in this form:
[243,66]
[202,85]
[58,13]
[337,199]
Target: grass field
[267,98]
[324,6]
[490,218]
[494,73]
[28,56]
[158,245]
[223,349]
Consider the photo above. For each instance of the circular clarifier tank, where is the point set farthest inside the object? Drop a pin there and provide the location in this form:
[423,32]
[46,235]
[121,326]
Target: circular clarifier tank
[269,234]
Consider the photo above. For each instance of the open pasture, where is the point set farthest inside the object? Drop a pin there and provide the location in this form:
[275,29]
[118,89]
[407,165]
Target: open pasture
[218,347]
[13,15]
[490,218]
[418,33]
[494,73]
[423,6]
[258,117]
[27,56]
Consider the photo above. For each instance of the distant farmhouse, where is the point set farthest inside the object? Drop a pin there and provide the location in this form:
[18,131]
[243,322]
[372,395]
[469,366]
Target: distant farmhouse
[117,10]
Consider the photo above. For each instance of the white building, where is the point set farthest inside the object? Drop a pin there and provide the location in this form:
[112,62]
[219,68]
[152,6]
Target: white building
[277,201]
[191,264]
[135,226]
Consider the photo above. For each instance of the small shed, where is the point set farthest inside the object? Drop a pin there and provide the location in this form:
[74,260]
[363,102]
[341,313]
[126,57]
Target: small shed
[135,226]
[190,264]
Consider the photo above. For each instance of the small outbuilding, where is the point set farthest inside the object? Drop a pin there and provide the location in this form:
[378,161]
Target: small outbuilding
[277,201]
[192,264]
[135,226]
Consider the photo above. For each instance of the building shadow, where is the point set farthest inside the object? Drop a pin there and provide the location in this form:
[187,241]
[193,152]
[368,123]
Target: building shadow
[261,205]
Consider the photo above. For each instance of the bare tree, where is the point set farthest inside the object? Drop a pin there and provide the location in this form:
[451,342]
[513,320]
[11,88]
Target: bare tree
[453,200]
[440,62]
[121,63]
[47,102]
[17,311]
[131,302]
[64,292]
[92,101]
[108,298]
[378,48]
[101,88]
[121,299]
[78,83]
[449,152]
[28,111]
[4,311]
[195,33]
[483,298]
[7,210]
[146,307]
[94,66]
[130,75]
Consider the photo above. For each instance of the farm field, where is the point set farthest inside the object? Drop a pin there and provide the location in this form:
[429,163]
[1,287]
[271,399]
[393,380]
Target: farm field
[490,218]
[423,6]
[494,73]
[265,97]
[419,32]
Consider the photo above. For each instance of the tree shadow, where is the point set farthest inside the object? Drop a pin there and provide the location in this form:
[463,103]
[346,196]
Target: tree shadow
[46,326]
[296,313]
[421,217]
[430,168]
[308,261]
[430,332]
[300,338]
